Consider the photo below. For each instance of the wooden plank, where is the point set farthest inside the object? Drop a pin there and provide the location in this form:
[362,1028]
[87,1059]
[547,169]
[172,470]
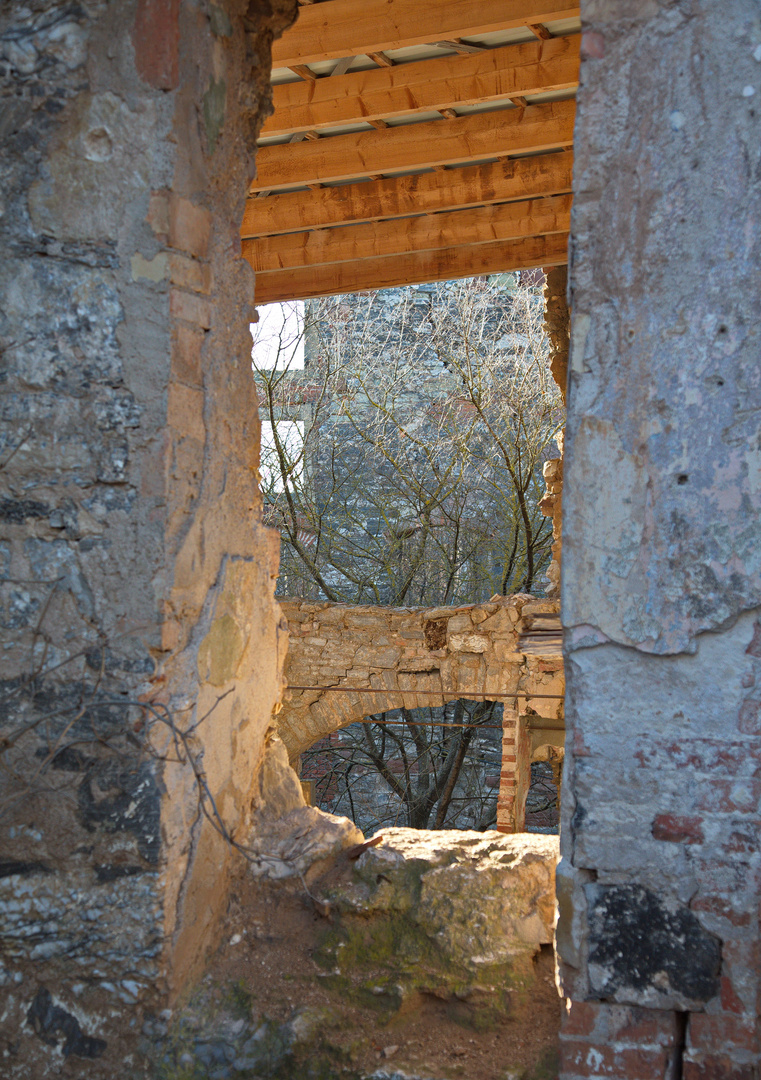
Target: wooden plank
[344,27]
[485,224]
[452,189]
[442,265]
[383,93]
[416,146]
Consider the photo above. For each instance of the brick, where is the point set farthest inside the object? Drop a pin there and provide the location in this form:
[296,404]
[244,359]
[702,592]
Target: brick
[730,1002]
[190,308]
[620,1024]
[580,1018]
[189,227]
[718,1068]
[622,1063]
[749,720]
[678,829]
[724,1031]
[156,40]
[189,273]
[187,343]
[729,796]
[185,411]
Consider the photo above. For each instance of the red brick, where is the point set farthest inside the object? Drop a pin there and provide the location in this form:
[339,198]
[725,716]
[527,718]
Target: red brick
[623,1025]
[580,1018]
[591,1059]
[749,721]
[678,829]
[728,796]
[730,1002]
[156,40]
[721,906]
[721,1032]
[634,1025]
[717,1068]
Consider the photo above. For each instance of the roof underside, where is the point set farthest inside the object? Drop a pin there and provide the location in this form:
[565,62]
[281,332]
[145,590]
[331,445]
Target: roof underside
[414,142]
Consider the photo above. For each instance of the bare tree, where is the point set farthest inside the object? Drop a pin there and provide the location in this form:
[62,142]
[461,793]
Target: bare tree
[402,464]
[425,768]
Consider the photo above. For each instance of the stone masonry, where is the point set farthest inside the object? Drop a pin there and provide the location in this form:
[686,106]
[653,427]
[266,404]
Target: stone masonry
[136,578]
[658,885]
[425,656]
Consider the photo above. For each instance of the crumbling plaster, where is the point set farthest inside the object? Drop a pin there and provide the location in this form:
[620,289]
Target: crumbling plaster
[658,883]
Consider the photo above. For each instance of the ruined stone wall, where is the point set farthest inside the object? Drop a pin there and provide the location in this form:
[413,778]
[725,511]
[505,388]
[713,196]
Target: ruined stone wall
[137,578]
[418,657]
[661,599]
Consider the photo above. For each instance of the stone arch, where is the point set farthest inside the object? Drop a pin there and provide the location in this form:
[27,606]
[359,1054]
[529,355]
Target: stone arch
[414,657]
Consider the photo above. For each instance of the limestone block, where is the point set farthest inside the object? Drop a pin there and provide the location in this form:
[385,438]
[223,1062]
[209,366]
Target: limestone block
[469,906]
[541,607]
[501,622]
[379,658]
[459,624]
[419,663]
[472,643]
[505,653]
[304,842]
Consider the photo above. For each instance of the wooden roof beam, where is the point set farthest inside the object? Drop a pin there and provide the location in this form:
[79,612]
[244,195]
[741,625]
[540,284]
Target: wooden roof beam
[484,224]
[382,93]
[442,265]
[350,27]
[416,146]
[474,185]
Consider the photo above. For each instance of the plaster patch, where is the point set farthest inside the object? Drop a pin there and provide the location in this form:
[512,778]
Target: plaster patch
[149,269]
[221,651]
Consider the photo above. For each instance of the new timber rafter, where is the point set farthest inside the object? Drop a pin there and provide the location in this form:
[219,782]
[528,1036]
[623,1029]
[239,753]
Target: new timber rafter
[353,27]
[485,224]
[533,129]
[440,265]
[452,189]
[383,93]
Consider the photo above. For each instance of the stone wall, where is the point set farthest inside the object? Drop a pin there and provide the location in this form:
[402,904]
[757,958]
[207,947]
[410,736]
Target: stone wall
[661,599]
[424,656]
[137,578]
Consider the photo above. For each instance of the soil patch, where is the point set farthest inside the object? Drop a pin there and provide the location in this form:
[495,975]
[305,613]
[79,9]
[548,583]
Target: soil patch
[266,969]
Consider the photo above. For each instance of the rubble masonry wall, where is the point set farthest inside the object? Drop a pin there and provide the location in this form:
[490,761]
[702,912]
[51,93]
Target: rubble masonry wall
[418,657]
[661,594]
[136,577]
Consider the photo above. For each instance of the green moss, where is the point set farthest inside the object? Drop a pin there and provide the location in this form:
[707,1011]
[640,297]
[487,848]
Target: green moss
[239,1000]
[387,962]
[548,1066]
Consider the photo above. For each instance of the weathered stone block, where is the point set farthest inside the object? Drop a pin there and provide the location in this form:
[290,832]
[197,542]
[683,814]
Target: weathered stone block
[471,643]
[443,910]
[189,227]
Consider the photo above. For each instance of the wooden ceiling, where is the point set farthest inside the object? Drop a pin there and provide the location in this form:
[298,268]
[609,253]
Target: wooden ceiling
[412,141]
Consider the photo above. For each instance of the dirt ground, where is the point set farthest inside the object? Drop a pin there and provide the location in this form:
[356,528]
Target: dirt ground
[265,964]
